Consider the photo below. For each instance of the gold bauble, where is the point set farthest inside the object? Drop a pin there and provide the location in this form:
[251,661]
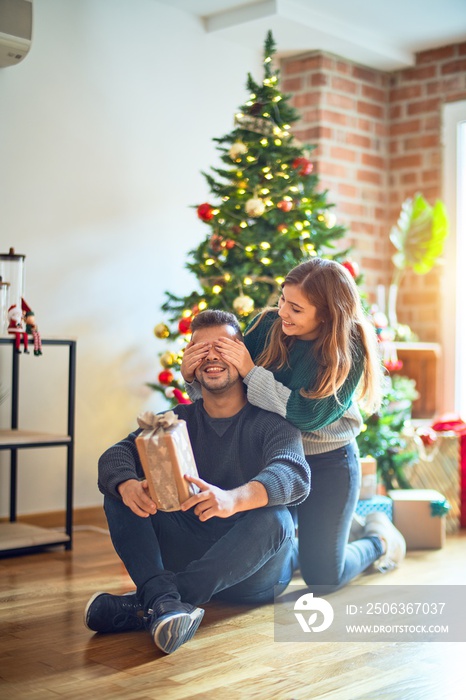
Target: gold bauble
[243,305]
[167,359]
[254,207]
[161,330]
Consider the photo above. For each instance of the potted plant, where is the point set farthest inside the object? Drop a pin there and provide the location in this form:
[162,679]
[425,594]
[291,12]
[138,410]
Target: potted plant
[382,435]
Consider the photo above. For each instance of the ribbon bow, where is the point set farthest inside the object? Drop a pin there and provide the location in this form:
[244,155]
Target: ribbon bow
[439,507]
[153,421]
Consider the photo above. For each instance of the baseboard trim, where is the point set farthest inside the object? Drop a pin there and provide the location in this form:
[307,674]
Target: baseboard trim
[81,516]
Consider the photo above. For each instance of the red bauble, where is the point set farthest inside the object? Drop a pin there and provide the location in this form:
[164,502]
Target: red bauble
[303,165]
[352,267]
[184,325]
[285,205]
[165,377]
[178,394]
[229,244]
[205,211]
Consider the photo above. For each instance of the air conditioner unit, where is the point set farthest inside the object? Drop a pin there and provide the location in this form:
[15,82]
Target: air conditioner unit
[15,31]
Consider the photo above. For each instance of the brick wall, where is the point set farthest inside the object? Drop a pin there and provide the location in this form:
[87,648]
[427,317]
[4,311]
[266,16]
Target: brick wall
[378,138]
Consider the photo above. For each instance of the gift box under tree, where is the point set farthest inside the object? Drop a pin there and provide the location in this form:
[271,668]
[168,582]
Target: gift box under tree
[441,464]
[381,504]
[419,514]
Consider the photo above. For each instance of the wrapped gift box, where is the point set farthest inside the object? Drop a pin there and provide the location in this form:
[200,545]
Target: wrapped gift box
[368,478]
[419,514]
[383,504]
[438,468]
[453,422]
[166,455]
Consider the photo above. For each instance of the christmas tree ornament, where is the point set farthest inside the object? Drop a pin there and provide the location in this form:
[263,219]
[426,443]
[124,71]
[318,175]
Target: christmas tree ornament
[254,207]
[215,242]
[167,360]
[165,377]
[184,326]
[303,166]
[352,267]
[205,212]
[330,219]
[229,244]
[243,305]
[161,331]
[237,149]
[181,396]
[169,392]
[285,205]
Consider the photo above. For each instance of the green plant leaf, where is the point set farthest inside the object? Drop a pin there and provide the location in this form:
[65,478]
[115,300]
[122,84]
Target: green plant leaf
[419,235]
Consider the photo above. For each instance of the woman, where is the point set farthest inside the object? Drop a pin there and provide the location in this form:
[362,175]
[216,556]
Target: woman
[309,360]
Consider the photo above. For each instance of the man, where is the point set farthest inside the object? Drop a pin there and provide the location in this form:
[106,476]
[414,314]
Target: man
[234,539]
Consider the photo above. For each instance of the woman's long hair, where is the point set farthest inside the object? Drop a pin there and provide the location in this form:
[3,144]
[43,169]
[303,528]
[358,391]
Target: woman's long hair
[329,287]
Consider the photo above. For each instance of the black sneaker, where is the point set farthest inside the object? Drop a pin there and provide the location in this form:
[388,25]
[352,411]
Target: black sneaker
[172,623]
[113,613]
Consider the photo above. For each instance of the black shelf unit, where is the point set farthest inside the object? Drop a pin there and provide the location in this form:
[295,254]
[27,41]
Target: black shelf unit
[18,538]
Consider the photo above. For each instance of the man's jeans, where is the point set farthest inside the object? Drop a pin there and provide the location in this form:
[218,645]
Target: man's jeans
[238,559]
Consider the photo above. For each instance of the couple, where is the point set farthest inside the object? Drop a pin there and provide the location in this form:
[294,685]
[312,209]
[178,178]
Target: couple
[235,539]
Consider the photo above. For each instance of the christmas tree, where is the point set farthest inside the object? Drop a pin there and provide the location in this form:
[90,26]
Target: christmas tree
[265,215]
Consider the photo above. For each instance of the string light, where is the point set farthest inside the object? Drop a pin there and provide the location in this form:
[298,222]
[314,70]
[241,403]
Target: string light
[216,289]
[264,245]
[243,224]
[187,313]
[279,280]
[264,142]
[247,281]
[265,261]
[210,261]
[202,305]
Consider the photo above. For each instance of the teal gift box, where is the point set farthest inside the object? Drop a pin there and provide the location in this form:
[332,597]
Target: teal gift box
[382,504]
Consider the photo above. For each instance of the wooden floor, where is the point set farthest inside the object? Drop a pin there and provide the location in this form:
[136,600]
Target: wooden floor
[46,652]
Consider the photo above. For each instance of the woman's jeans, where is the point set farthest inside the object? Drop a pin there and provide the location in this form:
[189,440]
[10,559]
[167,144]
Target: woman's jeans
[324,521]
[238,559]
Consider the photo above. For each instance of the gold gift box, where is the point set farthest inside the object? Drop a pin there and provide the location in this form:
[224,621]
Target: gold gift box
[166,455]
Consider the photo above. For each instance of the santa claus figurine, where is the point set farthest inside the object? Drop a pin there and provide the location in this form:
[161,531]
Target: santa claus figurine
[16,328]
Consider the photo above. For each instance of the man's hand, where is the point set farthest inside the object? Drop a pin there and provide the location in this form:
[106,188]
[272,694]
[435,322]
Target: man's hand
[135,495]
[213,501]
[194,354]
[236,353]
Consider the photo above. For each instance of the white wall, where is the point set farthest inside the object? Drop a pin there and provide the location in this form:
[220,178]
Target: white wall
[104,129]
